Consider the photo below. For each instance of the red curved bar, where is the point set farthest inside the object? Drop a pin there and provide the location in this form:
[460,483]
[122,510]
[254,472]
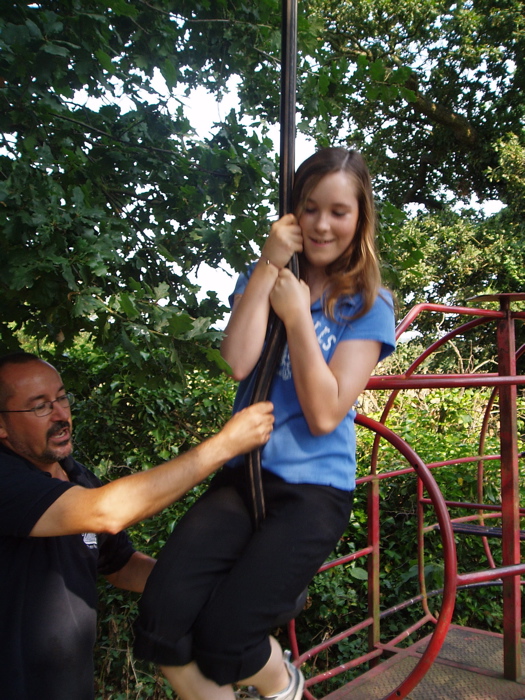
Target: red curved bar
[504,384]
[450,565]
[449,552]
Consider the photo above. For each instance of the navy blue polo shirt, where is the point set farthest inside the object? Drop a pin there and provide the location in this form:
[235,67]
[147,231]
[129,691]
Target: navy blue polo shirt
[48,594]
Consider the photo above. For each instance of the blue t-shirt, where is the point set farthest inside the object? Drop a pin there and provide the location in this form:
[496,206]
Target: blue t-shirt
[292,452]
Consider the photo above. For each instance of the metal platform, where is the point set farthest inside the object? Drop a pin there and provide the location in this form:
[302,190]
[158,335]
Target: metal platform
[469,667]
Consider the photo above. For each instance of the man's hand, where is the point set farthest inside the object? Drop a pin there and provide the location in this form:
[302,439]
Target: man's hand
[134,574]
[249,429]
[132,498]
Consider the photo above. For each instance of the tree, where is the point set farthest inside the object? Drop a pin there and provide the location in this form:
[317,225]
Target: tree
[427,89]
[108,198]
[432,93]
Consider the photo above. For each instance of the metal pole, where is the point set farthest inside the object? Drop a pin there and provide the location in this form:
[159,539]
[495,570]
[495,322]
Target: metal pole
[288,104]
[511,553]
[277,336]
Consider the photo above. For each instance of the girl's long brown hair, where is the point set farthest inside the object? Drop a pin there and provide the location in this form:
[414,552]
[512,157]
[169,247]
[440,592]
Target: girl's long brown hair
[357,270]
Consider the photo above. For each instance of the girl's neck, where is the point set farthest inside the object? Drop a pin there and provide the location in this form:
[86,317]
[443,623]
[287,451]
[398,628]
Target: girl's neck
[316,278]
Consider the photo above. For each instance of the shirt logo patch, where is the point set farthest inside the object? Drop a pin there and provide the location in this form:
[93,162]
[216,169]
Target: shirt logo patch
[90,540]
[326,340]
[285,368]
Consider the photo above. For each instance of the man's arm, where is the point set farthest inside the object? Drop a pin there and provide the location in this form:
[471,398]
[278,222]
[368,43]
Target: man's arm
[123,502]
[134,574]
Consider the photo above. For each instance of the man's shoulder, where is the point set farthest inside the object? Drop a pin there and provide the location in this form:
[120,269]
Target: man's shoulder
[79,474]
[8,458]
[21,469]
[25,494]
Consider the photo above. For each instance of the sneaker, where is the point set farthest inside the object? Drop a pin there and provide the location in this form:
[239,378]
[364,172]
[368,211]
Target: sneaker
[295,689]
[247,694]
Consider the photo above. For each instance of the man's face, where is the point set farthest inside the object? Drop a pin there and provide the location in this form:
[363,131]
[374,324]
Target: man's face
[43,440]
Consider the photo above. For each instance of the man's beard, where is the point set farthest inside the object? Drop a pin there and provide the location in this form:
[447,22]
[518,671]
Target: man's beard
[50,455]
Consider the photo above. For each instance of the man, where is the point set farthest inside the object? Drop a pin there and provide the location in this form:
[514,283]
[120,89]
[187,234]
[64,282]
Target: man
[59,528]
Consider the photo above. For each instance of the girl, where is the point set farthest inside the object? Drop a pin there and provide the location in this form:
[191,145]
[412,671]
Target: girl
[219,585]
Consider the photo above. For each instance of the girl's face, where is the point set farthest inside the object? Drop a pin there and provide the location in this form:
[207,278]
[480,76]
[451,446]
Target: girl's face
[329,219]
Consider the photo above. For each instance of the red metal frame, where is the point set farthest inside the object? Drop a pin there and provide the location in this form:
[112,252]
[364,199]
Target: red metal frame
[505,383]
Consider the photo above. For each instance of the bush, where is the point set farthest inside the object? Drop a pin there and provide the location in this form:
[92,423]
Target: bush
[123,425]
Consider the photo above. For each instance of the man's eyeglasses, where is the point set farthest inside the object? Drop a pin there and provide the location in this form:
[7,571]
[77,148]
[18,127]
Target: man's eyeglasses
[46,407]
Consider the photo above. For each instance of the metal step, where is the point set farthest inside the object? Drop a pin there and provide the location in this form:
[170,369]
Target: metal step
[469,667]
[471,529]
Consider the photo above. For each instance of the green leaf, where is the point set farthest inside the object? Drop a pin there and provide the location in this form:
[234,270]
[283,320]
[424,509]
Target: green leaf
[161,291]
[122,8]
[55,50]
[324,83]
[105,60]
[358,573]
[127,306]
[170,73]
[179,324]
[34,29]
[215,356]
[130,349]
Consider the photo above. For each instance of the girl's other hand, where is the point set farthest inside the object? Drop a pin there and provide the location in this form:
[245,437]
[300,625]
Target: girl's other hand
[290,297]
[285,239]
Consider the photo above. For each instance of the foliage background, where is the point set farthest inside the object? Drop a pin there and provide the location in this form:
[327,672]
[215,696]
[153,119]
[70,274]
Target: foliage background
[109,199]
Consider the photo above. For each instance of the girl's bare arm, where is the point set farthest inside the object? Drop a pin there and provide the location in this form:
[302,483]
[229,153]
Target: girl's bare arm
[326,392]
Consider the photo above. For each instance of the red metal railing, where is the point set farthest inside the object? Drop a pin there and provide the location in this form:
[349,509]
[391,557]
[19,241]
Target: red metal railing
[504,383]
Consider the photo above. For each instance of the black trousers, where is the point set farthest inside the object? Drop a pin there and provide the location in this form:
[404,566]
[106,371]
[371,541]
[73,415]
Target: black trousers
[219,586]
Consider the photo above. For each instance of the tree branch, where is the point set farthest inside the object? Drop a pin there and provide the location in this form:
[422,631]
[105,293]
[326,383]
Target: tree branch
[459,125]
